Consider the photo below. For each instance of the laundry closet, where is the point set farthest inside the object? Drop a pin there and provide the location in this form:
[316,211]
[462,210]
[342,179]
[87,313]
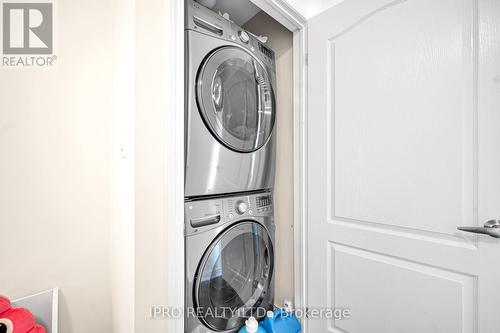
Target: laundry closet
[238,163]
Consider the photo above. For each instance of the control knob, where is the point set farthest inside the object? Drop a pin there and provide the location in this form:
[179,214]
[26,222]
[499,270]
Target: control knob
[241,207]
[244,36]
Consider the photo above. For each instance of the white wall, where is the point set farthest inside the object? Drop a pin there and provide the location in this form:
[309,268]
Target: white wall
[56,137]
[281,41]
[84,197]
[159,167]
[122,238]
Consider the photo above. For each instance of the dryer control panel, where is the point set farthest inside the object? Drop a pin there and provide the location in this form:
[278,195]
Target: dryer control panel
[201,19]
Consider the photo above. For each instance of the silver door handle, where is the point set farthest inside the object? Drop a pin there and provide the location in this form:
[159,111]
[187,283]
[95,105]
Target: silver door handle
[492,228]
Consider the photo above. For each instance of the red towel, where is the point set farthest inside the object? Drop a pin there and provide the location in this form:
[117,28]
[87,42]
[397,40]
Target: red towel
[4,304]
[18,320]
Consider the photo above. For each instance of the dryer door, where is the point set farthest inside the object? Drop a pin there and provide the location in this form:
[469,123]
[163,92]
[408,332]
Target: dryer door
[234,277]
[236,99]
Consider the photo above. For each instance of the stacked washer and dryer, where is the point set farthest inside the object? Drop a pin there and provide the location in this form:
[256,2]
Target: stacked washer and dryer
[229,173]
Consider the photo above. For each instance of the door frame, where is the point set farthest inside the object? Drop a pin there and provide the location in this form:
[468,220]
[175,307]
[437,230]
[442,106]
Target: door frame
[174,180]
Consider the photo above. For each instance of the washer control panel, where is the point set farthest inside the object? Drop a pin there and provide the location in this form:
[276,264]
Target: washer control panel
[241,207]
[264,203]
[252,205]
[209,213]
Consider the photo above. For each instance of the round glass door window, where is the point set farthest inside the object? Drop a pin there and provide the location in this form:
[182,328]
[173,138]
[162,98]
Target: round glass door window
[236,99]
[234,277]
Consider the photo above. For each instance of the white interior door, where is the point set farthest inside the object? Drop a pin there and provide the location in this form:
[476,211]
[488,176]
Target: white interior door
[403,147]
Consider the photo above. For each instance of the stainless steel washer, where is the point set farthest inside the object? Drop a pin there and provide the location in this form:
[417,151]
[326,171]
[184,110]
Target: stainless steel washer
[230,107]
[229,261]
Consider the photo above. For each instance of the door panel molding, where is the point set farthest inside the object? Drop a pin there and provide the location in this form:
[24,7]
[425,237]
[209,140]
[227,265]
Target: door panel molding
[468,138]
[456,239]
[413,272]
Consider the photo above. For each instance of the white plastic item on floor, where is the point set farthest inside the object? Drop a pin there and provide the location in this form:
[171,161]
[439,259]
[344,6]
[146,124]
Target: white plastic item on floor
[287,305]
[251,326]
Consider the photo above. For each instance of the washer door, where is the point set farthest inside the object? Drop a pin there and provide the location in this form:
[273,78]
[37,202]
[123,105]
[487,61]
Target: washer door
[236,99]
[234,276]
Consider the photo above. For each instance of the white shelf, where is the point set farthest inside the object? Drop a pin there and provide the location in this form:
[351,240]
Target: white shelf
[44,306]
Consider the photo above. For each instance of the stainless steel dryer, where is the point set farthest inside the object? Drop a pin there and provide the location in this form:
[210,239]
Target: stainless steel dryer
[230,107]
[229,261]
